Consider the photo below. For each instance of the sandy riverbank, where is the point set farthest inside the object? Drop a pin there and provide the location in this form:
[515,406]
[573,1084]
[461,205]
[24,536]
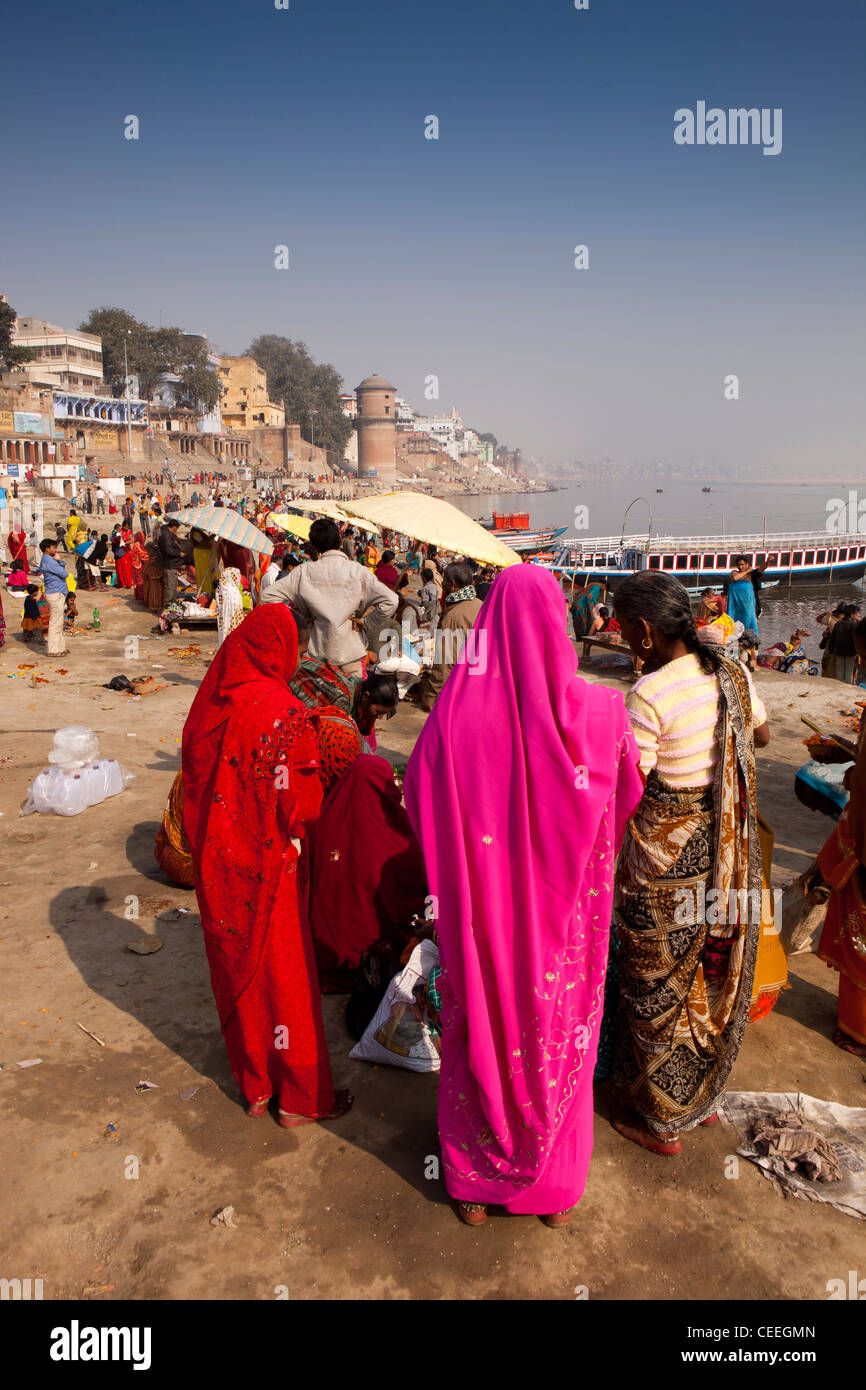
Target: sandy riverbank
[344,1211]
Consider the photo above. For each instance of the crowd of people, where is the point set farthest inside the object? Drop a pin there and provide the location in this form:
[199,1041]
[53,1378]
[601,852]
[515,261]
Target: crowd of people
[567,837]
[558,842]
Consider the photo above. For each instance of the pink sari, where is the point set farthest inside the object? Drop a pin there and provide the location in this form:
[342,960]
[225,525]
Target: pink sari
[519,789]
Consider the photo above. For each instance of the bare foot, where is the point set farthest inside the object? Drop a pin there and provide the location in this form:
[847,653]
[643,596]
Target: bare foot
[630,1125]
[343,1102]
[849,1044]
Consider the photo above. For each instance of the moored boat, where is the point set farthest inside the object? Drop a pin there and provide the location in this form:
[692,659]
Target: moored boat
[513,529]
[702,561]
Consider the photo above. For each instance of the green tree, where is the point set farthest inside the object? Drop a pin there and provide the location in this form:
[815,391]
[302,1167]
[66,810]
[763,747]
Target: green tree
[11,357]
[150,352]
[199,383]
[309,391]
[116,327]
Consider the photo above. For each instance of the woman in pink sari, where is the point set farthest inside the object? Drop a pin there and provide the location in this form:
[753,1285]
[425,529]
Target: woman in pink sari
[519,789]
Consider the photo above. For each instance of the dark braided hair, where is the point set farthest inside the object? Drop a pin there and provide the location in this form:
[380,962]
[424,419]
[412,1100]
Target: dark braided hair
[664,603]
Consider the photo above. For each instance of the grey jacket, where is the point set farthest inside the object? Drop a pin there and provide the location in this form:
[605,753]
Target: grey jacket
[329,593]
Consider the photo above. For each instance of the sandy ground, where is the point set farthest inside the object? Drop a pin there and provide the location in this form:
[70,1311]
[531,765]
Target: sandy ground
[354,1209]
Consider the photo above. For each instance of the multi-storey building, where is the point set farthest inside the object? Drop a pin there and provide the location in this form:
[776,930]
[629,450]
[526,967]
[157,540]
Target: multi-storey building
[61,357]
[245,403]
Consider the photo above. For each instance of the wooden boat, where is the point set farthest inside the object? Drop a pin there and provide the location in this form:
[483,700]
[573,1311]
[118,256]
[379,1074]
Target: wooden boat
[513,529]
[700,562]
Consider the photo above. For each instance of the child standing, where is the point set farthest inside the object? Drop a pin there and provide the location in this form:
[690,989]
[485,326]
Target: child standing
[31,622]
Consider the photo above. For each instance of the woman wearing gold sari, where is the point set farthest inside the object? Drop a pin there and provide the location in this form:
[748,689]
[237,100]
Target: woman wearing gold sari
[688,933]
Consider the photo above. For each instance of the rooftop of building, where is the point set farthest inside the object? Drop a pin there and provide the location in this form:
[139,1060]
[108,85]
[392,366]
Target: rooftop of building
[42,327]
[375,383]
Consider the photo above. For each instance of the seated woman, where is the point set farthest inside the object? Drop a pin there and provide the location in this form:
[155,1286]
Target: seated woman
[251,787]
[375,698]
[363,868]
[366,879]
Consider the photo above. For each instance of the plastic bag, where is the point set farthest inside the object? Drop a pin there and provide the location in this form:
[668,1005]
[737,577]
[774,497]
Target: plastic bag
[407,671]
[74,747]
[404,1029]
[61,793]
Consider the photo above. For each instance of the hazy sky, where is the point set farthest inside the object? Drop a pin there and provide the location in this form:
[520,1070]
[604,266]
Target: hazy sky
[410,256]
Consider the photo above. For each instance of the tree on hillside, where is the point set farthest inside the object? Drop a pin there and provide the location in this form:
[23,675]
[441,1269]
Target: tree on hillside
[150,352]
[489,439]
[116,326]
[308,390]
[11,356]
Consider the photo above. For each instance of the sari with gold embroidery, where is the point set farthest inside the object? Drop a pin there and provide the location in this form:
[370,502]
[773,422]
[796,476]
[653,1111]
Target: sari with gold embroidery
[685,977]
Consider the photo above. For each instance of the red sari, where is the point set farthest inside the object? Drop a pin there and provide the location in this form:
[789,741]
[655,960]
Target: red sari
[138,558]
[365,872]
[123,561]
[250,775]
[18,549]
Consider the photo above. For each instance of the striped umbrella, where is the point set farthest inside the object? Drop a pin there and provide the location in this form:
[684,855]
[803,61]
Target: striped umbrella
[228,525]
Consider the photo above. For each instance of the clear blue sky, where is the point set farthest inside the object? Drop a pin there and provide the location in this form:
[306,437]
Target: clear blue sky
[455,257]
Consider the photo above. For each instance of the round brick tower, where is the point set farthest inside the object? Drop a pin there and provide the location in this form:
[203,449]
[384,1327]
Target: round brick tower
[376,427]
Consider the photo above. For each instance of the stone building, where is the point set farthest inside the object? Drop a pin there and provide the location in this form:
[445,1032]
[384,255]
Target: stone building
[245,403]
[375,423]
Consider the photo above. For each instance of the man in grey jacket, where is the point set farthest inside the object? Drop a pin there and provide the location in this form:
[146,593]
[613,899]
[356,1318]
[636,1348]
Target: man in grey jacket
[333,594]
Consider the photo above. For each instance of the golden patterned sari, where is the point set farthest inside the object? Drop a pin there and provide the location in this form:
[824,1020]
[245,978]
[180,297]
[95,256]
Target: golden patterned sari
[172,849]
[686,978]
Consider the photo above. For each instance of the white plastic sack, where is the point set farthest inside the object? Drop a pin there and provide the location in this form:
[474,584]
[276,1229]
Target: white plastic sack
[55,792]
[400,1034]
[407,671]
[74,747]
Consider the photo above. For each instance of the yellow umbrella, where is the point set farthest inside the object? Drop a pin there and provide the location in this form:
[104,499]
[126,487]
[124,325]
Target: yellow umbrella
[295,525]
[437,522]
[335,510]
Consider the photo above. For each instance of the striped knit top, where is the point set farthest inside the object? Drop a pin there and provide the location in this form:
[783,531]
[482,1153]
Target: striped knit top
[673,713]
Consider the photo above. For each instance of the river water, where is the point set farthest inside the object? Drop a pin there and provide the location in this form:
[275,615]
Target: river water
[683,510]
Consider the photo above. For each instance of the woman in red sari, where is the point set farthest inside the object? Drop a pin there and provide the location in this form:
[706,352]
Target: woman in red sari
[138,557]
[123,559]
[18,549]
[250,776]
